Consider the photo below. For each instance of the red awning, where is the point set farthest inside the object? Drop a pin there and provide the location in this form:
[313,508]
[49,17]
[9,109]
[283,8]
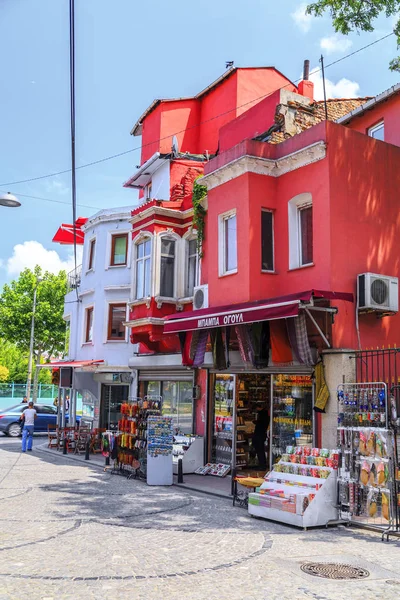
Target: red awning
[65,233]
[72,363]
[267,310]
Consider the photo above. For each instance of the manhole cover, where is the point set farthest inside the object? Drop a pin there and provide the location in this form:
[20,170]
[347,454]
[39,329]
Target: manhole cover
[334,571]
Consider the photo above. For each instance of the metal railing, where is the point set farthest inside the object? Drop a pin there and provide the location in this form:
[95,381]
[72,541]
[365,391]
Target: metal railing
[74,278]
[380,364]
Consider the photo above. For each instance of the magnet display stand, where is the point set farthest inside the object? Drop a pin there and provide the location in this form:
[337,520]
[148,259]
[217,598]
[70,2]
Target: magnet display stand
[159,450]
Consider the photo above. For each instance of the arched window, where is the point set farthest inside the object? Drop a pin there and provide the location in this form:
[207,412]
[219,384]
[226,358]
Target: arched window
[143,268]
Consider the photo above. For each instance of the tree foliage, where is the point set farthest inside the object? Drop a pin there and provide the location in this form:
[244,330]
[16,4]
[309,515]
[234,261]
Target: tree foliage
[4,374]
[16,305]
[358,15]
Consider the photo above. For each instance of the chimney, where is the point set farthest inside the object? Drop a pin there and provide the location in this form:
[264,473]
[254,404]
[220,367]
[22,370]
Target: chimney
[306,87]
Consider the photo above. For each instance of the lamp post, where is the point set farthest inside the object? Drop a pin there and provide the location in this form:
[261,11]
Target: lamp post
[9,200]
[29,380]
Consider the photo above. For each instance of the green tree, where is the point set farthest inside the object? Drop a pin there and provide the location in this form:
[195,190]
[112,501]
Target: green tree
[4,374]
[358,15]
[16,305]
[15,360]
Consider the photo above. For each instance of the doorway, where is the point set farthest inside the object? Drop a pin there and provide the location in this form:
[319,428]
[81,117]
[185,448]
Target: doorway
[112,396]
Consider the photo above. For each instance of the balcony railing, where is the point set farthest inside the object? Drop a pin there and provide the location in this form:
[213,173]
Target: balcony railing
[74,278]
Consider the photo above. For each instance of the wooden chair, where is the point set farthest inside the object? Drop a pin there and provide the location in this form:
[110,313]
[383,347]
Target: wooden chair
[81,438]
[52,436]
[95,440]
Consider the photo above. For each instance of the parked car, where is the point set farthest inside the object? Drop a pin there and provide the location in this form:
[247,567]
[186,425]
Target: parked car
[46,415]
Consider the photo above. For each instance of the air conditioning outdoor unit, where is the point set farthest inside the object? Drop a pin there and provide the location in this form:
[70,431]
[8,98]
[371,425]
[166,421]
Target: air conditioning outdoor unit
[200,297]
[378,292]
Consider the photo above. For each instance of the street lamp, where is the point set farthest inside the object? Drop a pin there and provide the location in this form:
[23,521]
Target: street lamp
[9,200]
[29,379]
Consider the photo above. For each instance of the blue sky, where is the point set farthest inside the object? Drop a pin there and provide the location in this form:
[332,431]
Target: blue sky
[128,53]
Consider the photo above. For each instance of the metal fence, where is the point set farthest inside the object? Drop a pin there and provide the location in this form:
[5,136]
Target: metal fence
[16,391]
[74,278]
[378,365]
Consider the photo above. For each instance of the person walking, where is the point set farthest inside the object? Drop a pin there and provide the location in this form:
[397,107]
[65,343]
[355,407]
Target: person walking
[28,418]
[24,400]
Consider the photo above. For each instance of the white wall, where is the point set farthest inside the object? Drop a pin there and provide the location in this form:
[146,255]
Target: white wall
[99,287]
[160,182]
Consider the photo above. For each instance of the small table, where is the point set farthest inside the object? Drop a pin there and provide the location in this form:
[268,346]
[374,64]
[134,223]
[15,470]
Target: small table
[250,484]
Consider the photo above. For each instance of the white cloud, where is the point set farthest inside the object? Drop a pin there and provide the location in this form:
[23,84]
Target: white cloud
[344,88]
[302,20]
[56,186]
[335,43]
[32,253]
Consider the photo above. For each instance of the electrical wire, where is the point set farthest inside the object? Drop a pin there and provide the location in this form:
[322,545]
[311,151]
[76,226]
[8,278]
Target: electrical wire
[52,200]
[259,98]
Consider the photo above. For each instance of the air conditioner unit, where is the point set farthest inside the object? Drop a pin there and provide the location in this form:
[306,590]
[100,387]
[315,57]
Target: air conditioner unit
[200,297]
[378,292]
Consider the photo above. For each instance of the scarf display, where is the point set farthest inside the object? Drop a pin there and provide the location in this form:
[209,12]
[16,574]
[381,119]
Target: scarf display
[261,343]
[321,389]
[186,360]
[245,343]
[198,359]
[291,329]
[280,345]
[303,345]
[218,349]
[194,343]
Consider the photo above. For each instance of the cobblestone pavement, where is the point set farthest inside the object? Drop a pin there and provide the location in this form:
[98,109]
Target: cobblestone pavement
[69,530]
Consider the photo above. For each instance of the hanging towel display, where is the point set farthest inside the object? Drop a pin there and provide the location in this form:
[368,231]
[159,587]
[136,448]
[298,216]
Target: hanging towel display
[303,344]
[194,343]
[291,329]
[280,345]
[261,343]
[201,348]
[321,389]
[227,342]
[245,343]
[218,349]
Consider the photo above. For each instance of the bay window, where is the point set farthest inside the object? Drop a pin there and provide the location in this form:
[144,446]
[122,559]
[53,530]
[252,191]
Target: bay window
[143,269]
[167,267]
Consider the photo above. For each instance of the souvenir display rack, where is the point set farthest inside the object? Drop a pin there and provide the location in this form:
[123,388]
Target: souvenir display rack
[130,453]
[159,450]
[395,424]
[367,464]
[300,490]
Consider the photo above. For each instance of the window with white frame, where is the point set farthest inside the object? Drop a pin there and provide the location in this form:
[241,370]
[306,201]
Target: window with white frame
[92,252]
[167,267]
[192,267]
[116,330]
[227,243]
[300,216]
[377,131]
[143,269]
[267,240]
[88,337]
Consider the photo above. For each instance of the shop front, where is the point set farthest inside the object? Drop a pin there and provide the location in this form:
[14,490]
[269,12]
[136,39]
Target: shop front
[254,416]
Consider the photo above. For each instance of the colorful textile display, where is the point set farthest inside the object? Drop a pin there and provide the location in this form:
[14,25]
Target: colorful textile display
[201,348]
[245,343]
[291,329]
[261,343]
[186,360]
[218,349]
[321,389]
[303,344]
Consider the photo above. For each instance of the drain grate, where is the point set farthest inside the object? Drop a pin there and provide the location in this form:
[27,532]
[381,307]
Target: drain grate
[334,571]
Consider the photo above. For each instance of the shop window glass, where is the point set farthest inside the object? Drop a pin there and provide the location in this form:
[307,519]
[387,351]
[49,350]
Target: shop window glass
[192,268]
[177,402]
[292,413]
[143,261]
[167,277]
[267,240]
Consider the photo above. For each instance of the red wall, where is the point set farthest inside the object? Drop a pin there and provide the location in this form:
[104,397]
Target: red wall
[365,227]
[151,134]
[255,84]
[388,111]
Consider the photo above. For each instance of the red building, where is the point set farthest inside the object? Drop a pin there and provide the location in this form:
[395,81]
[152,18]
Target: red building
[297,208]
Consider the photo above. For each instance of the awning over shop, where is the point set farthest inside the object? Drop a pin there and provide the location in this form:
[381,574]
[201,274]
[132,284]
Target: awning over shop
[65,233]
[75,364]
[282,307]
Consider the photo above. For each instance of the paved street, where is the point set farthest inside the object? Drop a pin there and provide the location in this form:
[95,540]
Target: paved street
[69,530]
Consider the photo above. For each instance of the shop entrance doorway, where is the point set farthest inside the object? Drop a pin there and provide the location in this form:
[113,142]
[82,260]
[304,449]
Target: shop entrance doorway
[112,396]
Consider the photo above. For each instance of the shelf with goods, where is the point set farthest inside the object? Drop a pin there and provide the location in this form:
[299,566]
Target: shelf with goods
[298,494]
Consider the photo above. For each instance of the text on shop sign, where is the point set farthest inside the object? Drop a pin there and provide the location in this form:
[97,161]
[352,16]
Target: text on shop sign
[223,320]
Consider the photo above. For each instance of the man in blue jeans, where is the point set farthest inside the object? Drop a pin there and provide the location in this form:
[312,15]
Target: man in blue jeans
[28,418]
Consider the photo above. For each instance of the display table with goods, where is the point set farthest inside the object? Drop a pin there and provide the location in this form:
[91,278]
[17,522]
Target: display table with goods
[190,449]
[368,458]
[300,490]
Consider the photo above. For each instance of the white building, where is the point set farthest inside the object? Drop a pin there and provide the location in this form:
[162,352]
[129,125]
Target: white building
[96,308]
